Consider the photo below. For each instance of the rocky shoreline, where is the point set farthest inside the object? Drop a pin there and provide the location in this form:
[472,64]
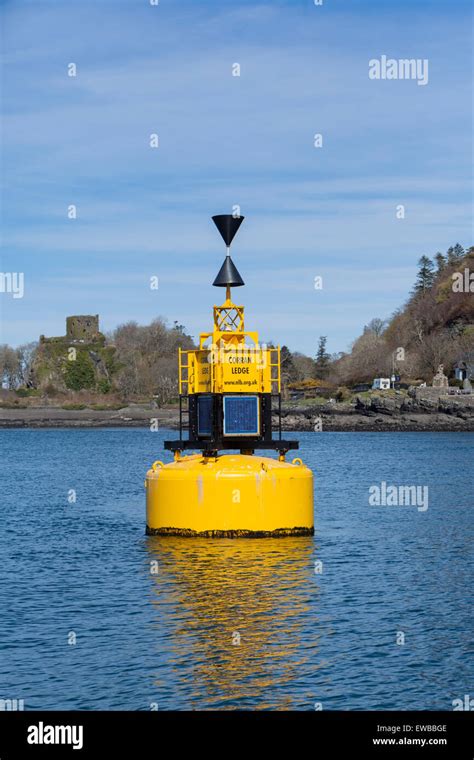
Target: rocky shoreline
[420,411]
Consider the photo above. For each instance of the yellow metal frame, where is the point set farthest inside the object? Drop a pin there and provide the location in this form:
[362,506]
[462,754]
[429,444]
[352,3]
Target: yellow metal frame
[276,364]
[232,338]
[229,317]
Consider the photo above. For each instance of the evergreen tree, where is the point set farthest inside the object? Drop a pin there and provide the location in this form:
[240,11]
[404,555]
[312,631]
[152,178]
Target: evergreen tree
[179,328]
[450,255]
[458,251]
[322,357]
[80,373]
[425,276]
[289,372]
[440,262]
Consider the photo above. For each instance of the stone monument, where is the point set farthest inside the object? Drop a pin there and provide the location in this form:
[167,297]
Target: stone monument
[440,380]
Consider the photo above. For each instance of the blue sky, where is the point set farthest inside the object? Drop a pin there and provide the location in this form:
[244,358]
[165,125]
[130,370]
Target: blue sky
[227,140]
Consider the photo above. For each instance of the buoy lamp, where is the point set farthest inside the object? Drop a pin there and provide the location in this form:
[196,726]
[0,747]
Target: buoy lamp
[229,397]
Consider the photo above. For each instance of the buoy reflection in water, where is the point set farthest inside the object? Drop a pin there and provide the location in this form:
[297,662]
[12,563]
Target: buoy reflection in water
[241,617]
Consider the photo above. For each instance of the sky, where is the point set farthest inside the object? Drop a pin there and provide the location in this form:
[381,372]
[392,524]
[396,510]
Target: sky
[225,141]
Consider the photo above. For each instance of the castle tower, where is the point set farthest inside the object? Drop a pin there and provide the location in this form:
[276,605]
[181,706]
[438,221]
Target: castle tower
[83,327]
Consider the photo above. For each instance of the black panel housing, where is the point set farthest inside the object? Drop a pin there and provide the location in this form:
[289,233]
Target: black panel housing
[216,440]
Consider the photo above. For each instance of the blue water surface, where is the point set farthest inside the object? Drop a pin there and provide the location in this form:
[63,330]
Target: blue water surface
[88,623]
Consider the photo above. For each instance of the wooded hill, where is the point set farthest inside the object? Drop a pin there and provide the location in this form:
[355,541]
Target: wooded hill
[435,326]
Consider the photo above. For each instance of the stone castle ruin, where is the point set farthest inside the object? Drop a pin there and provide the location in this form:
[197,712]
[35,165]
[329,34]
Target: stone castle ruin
[74,361]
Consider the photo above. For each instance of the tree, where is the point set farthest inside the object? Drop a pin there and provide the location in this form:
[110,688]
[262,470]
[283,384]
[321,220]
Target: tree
[79,373]
[376,326]
[440,262]
[148,358]
[9,367]
[437,348]
[425,276]
[458,251]
[26,355]
[179,328]
[322,358]
[450,256]
[289,372]
[304,366]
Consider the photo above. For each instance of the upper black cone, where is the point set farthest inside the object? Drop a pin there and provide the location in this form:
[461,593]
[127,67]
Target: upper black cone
[227,226]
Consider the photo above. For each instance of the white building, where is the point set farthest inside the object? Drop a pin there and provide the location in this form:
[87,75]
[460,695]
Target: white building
[381,384]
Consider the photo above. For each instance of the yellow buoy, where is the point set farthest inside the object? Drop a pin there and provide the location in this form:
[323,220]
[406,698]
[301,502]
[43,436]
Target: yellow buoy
[229,390]
[234,495]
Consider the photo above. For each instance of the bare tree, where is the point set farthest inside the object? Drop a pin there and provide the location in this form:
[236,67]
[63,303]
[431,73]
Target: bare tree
[10,372]
[376,326]
[26,356]
[147,358]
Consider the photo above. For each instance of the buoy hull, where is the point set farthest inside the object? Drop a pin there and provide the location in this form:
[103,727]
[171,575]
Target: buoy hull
[230,496]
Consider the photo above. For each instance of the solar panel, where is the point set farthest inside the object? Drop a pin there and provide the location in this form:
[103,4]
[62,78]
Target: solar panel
[241,415]
[204,405]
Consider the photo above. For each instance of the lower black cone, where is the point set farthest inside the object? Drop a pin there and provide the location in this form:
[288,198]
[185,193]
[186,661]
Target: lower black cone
[228,275]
